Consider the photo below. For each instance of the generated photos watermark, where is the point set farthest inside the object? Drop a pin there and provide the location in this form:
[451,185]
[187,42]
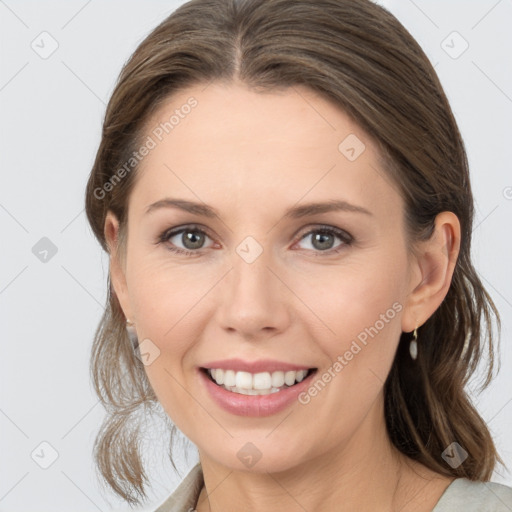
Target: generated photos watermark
[343,360]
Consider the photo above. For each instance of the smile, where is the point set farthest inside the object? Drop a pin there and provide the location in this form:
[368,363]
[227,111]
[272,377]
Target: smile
[262,383]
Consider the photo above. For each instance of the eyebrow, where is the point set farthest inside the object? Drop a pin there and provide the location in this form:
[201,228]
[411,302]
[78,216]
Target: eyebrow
[294,212]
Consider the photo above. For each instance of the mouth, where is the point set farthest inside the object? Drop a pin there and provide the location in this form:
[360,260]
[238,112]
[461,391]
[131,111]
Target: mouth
[262,383]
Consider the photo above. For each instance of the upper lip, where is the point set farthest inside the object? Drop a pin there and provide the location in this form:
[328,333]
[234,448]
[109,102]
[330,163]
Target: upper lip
[262,365]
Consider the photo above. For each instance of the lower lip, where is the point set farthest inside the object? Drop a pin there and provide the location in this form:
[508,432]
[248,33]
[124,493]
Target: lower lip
[254,405]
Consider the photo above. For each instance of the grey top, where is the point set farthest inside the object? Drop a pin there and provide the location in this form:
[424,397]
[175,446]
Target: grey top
[462,495]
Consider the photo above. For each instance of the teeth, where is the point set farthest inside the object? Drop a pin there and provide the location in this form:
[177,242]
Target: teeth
[289,378]
[243,380]
[300,375]
[262,383]
[277,379]
[229,377]
[218,376]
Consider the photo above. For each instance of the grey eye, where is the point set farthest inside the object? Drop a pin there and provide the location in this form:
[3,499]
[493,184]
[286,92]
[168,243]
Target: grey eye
[323,239]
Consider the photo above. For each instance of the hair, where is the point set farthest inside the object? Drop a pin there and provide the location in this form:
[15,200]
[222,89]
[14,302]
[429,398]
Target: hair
[359,56]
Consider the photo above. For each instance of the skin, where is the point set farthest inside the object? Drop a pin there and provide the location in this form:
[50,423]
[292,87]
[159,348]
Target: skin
[251,156]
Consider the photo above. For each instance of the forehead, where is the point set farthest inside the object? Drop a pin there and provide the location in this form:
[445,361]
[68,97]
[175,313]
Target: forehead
[226,143]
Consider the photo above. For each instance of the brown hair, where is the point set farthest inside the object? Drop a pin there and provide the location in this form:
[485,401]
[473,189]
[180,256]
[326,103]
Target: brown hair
[359,56]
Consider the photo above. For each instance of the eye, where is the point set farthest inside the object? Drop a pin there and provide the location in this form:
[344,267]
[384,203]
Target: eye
[191,237]
[323,238]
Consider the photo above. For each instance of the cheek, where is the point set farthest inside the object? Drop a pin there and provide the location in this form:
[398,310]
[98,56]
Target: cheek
[164,294]
[361,303]
[167,303]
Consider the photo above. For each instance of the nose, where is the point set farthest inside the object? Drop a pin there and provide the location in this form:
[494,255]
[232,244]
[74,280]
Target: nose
[255,303]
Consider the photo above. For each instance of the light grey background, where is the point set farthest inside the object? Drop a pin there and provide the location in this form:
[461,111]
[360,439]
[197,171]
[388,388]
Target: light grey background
[51,114]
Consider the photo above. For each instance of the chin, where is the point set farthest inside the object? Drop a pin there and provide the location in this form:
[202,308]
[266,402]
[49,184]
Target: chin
[258,457]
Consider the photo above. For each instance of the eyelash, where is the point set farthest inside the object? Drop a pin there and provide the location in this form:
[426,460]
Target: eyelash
[342,235]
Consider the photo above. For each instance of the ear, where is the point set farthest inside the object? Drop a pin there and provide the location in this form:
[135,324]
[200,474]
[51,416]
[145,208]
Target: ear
[432,269]
[117,266]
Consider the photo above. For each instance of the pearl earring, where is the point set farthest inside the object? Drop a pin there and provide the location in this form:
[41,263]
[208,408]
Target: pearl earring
[413,346]
[132,335]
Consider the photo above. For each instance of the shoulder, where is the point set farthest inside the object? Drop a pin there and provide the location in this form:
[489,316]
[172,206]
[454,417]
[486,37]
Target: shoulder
[461,495]
[185,496]
[475,496]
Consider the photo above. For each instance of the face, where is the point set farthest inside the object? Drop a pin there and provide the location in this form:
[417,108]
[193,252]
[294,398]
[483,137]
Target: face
[265,279]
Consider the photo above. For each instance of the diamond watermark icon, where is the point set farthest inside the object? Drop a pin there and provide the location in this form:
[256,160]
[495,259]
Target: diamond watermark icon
[454,45]
[148,352]
[249,454]
[454,455]
[44,455]
[249,249]
[44,45]
[44,250]
[351,147]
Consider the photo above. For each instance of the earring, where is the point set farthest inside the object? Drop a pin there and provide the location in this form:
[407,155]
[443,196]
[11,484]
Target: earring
[413,346]
[132,335]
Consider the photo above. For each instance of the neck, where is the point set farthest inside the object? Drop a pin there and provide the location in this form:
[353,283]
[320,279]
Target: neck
[365,473]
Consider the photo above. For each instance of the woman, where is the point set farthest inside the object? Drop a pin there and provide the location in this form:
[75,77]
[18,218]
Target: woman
[284,195]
